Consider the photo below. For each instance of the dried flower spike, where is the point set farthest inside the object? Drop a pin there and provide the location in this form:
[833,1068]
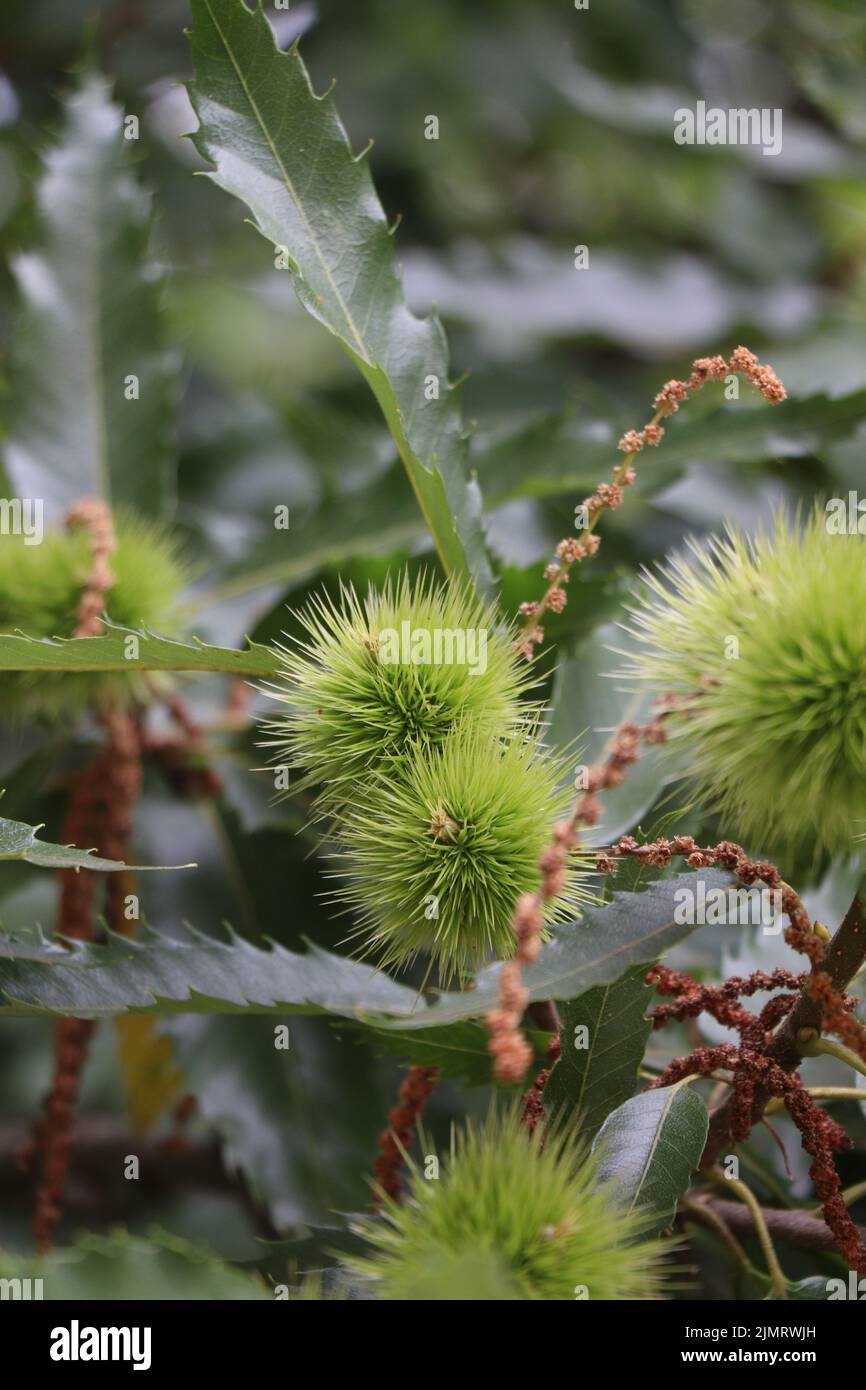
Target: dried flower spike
[608,495]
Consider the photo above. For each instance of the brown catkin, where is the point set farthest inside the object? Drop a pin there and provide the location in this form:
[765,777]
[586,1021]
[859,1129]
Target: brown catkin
[100,811]
[610,494]
[750,1062]
[509,1050]
[52,1134]
[395,1141]
[94,515]
[99,814]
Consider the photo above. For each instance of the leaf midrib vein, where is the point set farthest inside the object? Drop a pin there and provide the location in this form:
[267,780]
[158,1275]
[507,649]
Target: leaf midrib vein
[290,188]
[657,1137]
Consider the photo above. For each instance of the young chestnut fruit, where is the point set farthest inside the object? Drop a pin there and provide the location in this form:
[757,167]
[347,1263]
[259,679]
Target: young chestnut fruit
[765,639]
[525,1212]
[380,680]
[40,590]
[434,861]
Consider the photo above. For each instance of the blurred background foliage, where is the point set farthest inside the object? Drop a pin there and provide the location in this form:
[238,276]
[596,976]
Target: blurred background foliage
[555,131]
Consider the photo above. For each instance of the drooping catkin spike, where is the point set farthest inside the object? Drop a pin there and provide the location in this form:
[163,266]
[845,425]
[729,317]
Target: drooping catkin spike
[507,1046]
[821,1135]
[533,1105]
[100,811]
[396,1140]
[751,1062]
[608,496]
[121,792]
[71,1039]
[50,1144]
[511,1054]
[95,516]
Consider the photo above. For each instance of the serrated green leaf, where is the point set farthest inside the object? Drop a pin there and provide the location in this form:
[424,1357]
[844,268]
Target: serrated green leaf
[122,1266]
[192,973]
[600,948]
[115,652]
[92,319]
[458,1050]
[188,973]
[589,1082]
[20,841]
[650,1147]
[284,152]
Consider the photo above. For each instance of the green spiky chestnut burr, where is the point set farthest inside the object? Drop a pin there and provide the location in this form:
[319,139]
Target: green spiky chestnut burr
[434,861]
[765,638]
[530,1217]
[40,590]
[371,684]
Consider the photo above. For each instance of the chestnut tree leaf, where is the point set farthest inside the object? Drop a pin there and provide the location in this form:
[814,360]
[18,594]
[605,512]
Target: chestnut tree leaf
[95,383]
[187,973]
[193,973]
[284,152]
[597,1068]
[147,651]
[649,1148]
[599,948]
[20,841]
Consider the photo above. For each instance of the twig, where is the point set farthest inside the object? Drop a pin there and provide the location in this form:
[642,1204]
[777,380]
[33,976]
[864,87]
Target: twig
[798,1228]
[843,959]
[96,1186]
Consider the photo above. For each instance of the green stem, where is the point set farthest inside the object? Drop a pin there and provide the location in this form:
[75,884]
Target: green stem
[706,1213]
[777,1278]
[825,1047]
[820,1093]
